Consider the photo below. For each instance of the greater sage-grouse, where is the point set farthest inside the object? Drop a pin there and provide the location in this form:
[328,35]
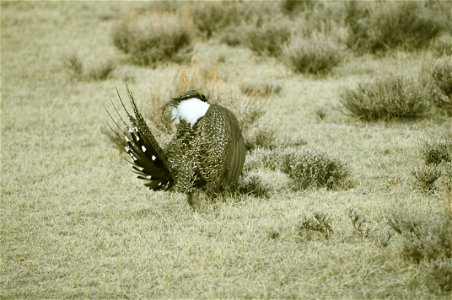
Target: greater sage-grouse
[207,150]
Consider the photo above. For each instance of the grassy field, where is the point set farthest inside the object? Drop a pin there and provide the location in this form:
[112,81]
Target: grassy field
[75,223]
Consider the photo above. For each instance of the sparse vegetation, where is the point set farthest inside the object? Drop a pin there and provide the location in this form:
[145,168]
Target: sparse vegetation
[442,75]
[381,26]
[152,38]
[254,186]
[313,169]
[79,72]
[260,89]
[75,223]
[393,97]
[317,54]
[315,227]
[437,151]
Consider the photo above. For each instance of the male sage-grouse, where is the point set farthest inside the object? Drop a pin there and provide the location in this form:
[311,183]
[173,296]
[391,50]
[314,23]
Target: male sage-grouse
[207,150]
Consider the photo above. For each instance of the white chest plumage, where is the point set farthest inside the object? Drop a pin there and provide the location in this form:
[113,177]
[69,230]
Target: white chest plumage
[190,110]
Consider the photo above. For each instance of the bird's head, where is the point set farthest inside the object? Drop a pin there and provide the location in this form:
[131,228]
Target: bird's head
[189,107]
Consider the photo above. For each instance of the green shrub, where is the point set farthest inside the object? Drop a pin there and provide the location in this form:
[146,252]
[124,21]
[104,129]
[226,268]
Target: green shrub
[314,169]
[384,25]
[393,97]
[268,38]
[154,38]
[316,54]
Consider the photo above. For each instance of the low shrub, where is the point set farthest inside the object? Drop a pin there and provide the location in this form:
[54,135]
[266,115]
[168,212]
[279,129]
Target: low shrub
[315,227]
[253,185]
[154,38]
[97,72]
[268,38]
[423,237]
[260,138]
[317,54]
[383,25]
[437,151]
[442,45]
[438,276]
[426,177]
[314,169]
[393,97]
[260,89]
[442,75]
[212,17]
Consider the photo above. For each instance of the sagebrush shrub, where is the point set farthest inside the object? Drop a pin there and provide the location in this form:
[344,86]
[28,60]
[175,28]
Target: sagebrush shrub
[423,237]
[312,227]
[384,25]
[154,38]
[314,169]
[253,185]
[316,54]
[389,98]
[438,277]
[260,138]
[426,177]
[268,38]
[442,45]
[212,17]
[442,74]
[95,72]
[437,151]
[260,89]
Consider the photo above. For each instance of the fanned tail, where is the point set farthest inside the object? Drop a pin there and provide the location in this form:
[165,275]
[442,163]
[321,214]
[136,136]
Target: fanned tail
[134,137]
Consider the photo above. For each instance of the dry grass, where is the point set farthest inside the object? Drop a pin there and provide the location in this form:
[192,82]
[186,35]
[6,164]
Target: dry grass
[75,223]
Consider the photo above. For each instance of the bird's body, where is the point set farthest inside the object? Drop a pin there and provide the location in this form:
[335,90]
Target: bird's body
[207,150]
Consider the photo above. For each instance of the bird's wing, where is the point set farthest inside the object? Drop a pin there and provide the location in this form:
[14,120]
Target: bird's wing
[221,149]
[136,139]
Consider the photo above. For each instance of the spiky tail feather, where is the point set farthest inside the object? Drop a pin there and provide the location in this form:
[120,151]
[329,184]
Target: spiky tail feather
[135,138]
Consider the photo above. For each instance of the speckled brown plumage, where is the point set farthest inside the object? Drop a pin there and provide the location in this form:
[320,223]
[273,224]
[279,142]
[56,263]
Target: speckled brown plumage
[207,154]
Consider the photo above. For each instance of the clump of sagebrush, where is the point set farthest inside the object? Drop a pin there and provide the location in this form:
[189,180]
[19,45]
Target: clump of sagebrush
[101,71]
[315,54]
[442,74]
[359,222]
[295,6]
[75,66]
[437,151]
[438,276]
[254,186]
[260,89]
[260,138]
[383,25]
[442,45]
[426,238]
[79,72]
[315,227]
[267,38]
[264,36]
[154,38]
[437,156]
[426,177]
[212,17]
[393,97]
[313,169]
